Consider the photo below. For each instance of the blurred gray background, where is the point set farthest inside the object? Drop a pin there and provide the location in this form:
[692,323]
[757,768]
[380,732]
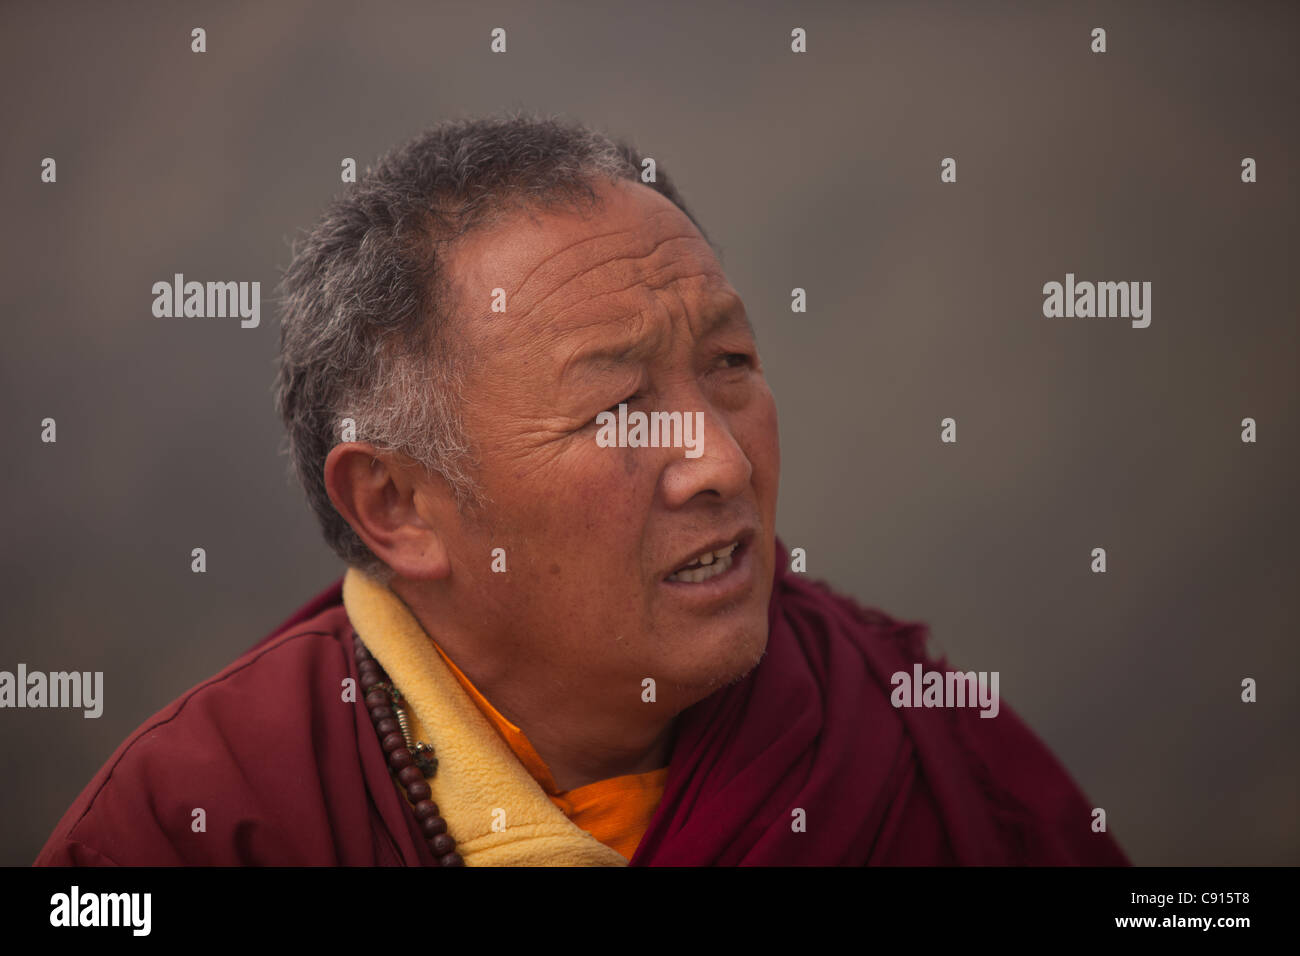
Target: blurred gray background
[818,170]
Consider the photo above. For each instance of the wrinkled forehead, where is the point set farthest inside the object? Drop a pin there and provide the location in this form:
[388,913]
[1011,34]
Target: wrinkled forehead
[548,274]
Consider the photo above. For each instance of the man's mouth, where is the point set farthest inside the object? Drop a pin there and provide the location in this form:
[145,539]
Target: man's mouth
[707,565]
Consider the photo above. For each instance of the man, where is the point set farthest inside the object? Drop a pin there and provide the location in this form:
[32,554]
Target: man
[528,409]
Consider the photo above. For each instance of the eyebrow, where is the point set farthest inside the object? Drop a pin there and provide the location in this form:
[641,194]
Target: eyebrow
[627,352]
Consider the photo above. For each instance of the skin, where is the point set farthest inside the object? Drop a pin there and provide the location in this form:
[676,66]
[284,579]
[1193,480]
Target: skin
[561,642]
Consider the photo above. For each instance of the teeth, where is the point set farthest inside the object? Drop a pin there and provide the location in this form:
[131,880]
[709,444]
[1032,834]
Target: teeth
[709,565]
[696,575]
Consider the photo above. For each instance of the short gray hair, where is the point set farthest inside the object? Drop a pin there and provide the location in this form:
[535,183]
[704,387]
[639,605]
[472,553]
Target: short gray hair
[365,299]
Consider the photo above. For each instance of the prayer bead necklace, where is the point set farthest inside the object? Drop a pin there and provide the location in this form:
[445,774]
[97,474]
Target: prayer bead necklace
[412,763]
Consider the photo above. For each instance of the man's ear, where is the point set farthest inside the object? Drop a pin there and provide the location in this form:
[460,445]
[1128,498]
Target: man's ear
[387,500]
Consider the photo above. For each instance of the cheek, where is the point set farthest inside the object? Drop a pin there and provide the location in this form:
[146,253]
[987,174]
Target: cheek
[759,436]
[582,507]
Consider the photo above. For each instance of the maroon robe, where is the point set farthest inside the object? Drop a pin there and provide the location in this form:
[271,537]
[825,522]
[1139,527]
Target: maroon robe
[287,774]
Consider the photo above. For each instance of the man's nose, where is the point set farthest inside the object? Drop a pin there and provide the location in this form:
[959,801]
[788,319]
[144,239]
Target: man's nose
[721,468]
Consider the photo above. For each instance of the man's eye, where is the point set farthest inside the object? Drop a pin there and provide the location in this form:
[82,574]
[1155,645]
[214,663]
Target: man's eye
[735,359]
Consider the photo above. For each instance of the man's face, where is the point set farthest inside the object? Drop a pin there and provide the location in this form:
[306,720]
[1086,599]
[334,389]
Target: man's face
[628,304]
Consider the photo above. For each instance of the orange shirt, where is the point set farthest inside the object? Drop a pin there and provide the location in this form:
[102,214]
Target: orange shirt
[615,811]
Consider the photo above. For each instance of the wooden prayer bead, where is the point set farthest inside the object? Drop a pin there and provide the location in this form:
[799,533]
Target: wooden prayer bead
[442,844]
[418,791]
[383,701]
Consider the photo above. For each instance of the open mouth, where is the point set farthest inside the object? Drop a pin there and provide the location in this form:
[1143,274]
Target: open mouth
[708,565]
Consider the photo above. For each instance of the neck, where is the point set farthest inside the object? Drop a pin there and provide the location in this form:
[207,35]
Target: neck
[575,763]
[582,738]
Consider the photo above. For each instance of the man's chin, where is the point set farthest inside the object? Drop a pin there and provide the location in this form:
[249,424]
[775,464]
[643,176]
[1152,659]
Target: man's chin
[735,653]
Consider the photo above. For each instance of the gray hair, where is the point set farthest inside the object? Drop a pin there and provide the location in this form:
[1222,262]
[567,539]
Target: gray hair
[366,301]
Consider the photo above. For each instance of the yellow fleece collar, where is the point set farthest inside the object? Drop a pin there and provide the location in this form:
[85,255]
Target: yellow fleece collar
[480,783]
